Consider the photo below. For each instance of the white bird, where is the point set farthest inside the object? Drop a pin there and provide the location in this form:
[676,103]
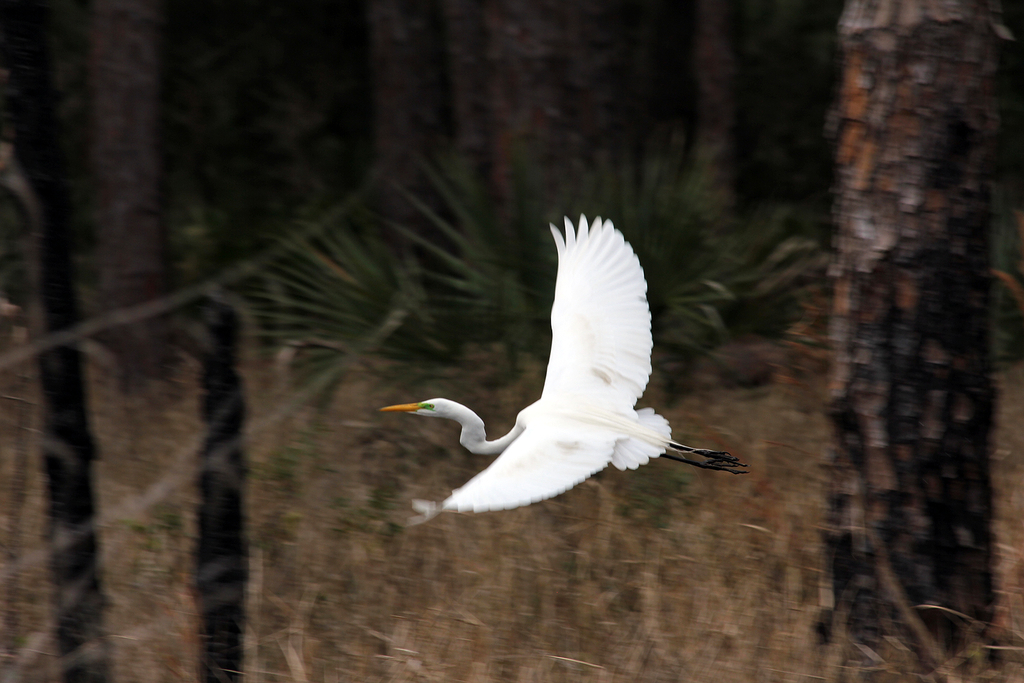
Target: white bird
[599,366]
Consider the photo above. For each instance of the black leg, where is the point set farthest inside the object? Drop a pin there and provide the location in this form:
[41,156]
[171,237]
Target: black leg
[716,460]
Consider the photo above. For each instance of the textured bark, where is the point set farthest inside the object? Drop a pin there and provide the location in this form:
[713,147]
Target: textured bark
[221,570]
[67,444]
[912,396]
[407,61]
[714,64]
[126,173]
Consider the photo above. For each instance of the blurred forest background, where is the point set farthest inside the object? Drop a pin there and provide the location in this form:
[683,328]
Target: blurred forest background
[268,116]
[489,124]
[371,182]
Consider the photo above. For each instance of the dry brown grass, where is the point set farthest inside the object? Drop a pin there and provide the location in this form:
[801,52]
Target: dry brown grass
[719,580]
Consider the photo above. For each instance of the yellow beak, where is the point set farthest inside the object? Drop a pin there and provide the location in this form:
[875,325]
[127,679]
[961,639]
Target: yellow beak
[402,408]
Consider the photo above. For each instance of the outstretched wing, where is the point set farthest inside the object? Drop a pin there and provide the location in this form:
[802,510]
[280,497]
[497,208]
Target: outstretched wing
[600,353]
[549,458]
[600,321]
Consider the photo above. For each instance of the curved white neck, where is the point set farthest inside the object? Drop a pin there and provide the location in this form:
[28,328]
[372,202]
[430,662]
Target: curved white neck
[474,436]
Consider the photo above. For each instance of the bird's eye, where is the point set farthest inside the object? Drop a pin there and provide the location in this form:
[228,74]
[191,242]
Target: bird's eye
[427,406]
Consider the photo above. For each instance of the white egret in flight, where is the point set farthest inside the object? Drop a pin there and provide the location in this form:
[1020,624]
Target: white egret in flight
[599,366]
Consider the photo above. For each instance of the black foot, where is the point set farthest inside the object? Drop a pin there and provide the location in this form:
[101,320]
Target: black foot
[716,460]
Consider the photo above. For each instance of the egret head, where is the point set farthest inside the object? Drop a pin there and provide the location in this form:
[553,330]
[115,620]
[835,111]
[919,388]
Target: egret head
[435,407]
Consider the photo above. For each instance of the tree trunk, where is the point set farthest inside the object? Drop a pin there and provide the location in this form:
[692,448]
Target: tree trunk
[407,62]
[596,78]
[126,172]
[17,493]
[912,397]
[469,66]
[541,76]
[714,64]
[221,571]
[67,444]
[558,84]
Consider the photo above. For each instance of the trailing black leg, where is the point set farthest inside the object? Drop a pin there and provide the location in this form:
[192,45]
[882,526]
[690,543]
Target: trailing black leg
[716,460]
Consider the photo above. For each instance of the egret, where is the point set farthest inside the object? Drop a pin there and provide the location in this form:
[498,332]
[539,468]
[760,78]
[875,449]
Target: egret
[599,366]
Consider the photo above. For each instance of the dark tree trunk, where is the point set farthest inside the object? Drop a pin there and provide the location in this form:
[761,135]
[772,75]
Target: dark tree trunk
[714,65]
[469,66]
[912,397]
[126,172]
[67,444]
[528,65]
[559,83]
[596,78]
[16,491]
[544,77]
[407,62]
[221,570]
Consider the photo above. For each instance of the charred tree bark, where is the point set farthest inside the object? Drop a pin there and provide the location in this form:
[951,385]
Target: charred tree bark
[407,62]
[714,64]
[221,571]
[126,172]
[68,449]
[912,397]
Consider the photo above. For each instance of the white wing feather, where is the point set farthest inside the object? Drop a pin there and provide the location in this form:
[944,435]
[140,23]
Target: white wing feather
[600,322]
[599,366]
[549,458]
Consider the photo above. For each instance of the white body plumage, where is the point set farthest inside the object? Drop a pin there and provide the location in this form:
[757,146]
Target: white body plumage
[599,366]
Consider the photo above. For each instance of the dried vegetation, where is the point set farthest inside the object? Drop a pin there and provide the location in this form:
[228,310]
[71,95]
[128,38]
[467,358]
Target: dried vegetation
[663,574]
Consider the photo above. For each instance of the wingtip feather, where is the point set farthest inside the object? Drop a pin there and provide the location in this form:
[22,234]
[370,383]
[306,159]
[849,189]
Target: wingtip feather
[559,240]
[571,237]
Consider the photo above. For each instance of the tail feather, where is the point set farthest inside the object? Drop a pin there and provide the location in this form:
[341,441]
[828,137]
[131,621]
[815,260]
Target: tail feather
[631,453]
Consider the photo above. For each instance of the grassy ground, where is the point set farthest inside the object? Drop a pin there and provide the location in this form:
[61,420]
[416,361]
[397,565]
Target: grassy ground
[663,574]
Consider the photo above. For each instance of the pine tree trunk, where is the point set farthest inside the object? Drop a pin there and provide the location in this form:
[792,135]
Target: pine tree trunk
[407,62]
[912,397]
[126,173]
[714,65]
[469,66]
[596,78]
[68,449]
[559,84]
[221,567]
[542,76]
[526,104]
